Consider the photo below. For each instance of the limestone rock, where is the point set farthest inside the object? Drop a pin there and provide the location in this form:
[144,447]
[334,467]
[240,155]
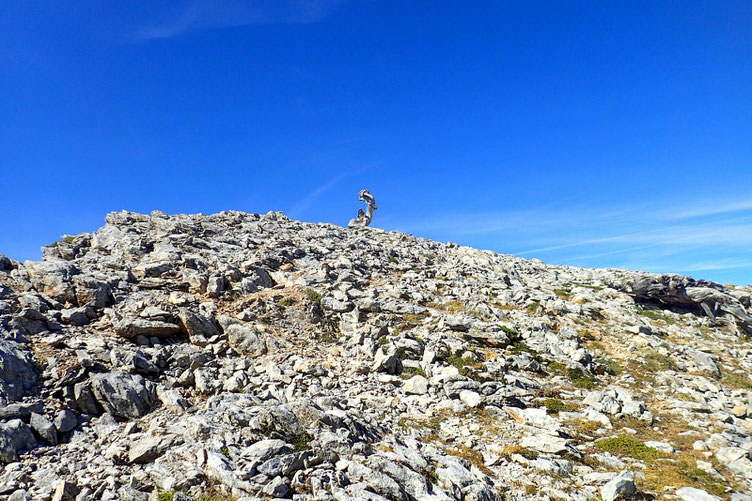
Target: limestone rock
[44,428]
[246,340]
[65,421]
[622,485]
[17,374]
[15,437]
[417,385]
[694,494]
[122,394]
[254,356]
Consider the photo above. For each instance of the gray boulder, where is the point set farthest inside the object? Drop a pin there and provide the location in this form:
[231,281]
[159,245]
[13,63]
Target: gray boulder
[130,327]
[621,485]
[385,362]
[198,327]
[53,278]
[83,398]
[264,449]
[20,410]
[92,292]
[74,316]
[694,494]
[6,264]
[276,488]
[15,437]
[677,290]
[245,340]
[121,394]
[65,491]
[17,374]
[65,421]
[44,428]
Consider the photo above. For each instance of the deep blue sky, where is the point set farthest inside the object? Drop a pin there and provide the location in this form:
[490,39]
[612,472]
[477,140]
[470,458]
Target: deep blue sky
[591,133]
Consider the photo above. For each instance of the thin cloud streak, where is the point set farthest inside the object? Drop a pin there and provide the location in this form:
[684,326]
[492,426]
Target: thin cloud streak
[306,202]
[681,237]
[300,207]
[198,15]
[706,266]
[695,235]
[708,209]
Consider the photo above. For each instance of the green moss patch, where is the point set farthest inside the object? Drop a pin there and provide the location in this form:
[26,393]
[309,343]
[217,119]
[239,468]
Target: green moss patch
[625,445]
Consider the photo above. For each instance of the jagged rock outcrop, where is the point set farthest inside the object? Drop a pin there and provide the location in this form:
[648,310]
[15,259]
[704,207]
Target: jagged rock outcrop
[250,356]
[679,291]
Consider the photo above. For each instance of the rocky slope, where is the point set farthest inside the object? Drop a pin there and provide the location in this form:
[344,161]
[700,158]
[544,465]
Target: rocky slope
[239,356]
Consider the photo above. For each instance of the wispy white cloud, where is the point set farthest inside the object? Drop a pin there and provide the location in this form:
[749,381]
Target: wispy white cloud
[723,264]
[196,15]
[306,201]
[681,236]
[704,208]
[624,250]
[303,204]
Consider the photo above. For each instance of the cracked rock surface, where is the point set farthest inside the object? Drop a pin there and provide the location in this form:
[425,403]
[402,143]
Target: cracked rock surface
[241,356]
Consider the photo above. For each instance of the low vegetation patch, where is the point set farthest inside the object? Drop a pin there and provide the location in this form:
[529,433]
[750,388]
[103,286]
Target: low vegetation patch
[584,426]
[408,372]
[655,315]
[312,295]
[287,301]
[452,306]
[577,377]
[736,381]
[474,457]
[414,319]
[534,308]
[512,334]
[327,336]
[169,496]
[466,365]
[656,362]
[301,441]
[625,445]
[555,406]
[682,473]
[526,453]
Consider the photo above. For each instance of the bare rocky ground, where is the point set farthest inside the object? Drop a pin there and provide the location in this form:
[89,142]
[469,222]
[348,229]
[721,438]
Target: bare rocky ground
[238,356]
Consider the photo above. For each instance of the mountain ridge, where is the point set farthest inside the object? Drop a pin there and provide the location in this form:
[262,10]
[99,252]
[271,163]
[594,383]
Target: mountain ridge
[254,356]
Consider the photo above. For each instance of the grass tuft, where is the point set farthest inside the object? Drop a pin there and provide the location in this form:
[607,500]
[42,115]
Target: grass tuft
[555,406]
[624,445]
[312,295]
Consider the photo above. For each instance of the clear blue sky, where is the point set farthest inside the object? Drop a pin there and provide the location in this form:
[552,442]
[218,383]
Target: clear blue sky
[591,133]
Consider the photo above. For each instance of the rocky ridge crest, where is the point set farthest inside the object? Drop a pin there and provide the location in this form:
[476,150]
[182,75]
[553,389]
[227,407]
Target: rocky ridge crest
[249,356]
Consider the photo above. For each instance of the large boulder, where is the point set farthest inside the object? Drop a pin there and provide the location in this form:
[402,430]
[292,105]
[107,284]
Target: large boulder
[130,327]
[198,327]
[92,292]
[44,428]
[17,375]
[246,340]
[680,291]
[54,278]
[622,485]
[123,395]
[6,264]
[242,338]
[15,437]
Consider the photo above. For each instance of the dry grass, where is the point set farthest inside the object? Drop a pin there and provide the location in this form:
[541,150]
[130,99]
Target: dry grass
[678,469]
[505,307]
[474,457]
